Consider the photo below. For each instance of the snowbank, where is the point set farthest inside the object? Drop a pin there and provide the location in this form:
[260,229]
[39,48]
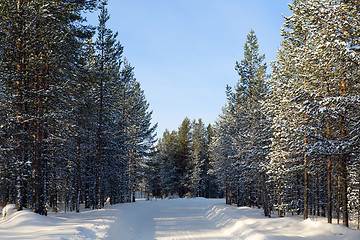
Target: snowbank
[28,225]
[249,223]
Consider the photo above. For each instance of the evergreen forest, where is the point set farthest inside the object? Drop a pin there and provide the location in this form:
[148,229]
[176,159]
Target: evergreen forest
[75,126]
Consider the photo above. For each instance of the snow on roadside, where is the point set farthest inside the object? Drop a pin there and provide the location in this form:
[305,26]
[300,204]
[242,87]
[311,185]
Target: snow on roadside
[167,219]
[92,224]
[249,223]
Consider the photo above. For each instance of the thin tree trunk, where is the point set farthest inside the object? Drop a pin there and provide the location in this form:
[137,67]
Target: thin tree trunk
[99,135]
[306,181]
[19,125]
[329,194]
[344,185]
[343,165]
[328,172]
[317,196]
[78,177]
[338,198]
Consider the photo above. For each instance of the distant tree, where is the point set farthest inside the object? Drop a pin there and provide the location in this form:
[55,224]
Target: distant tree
[183,160]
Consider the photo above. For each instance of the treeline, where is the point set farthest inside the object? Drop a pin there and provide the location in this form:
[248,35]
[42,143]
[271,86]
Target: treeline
[291,142]
[180,163]
[74,122]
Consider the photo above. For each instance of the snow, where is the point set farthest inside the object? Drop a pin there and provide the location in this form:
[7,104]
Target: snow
[167,219]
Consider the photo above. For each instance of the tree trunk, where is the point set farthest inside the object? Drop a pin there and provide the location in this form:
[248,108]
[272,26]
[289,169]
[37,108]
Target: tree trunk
[306,196]
[329,195]
[317,196]
[78,176]
[338,196]
[328,172]
[343,164]
[344,184]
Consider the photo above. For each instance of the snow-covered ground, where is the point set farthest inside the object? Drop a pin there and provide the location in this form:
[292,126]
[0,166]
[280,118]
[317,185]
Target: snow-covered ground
[167,219]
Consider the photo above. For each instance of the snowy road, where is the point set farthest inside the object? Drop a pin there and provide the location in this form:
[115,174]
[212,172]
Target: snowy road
[199,218]
[212,219]
[169,219]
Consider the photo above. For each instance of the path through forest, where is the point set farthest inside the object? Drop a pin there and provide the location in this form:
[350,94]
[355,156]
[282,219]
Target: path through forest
[198,218]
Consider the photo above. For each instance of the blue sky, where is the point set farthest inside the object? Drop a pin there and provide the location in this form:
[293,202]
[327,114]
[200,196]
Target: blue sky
[184,51]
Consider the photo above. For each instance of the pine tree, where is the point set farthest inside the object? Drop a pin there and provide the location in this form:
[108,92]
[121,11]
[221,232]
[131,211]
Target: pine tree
[137,129]
[183,156]
[198,168]
[166,157]
[222,152]
[244,125]
[108,62]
